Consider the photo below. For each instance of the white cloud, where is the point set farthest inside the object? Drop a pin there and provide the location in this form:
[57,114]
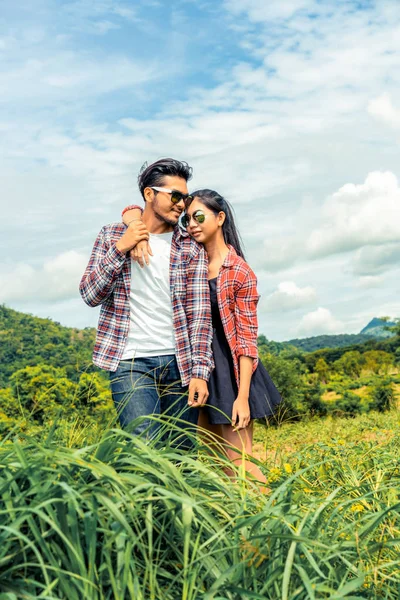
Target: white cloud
[297,40]
[383,109]
[372,260]
[355,217]
[280,253]
[57,280]
[358,215]
[319,322]
[99,17]
[74,78]
[288,296]
[370,281]
[261,11]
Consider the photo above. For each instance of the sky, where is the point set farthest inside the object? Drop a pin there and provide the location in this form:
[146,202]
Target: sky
[289,108]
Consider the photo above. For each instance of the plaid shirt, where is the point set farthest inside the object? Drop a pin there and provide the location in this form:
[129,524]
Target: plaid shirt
[237,301]
[106,281]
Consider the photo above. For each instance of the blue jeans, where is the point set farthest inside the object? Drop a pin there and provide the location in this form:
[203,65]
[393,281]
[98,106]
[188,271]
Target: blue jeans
[142,387]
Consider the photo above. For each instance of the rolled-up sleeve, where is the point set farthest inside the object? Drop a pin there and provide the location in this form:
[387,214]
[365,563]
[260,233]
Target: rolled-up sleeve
[246,322]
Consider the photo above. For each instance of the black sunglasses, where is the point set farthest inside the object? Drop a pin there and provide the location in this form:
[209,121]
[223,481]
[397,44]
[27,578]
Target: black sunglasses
[197,216]
[176,196]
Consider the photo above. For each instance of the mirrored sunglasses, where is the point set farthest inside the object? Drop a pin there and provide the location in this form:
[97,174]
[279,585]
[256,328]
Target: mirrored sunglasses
[198,216]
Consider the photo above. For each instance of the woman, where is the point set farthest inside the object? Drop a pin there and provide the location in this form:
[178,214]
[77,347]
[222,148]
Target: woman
[240,389]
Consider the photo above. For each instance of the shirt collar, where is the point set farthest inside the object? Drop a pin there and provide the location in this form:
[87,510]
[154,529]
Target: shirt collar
[179,234]
[230,258]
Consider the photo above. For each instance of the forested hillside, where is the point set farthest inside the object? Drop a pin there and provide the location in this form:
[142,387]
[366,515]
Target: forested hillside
[26,340]
[377,328]
[46,375]
[318,342]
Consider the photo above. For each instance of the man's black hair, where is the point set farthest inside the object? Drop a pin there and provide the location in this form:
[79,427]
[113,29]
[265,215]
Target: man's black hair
[153,175]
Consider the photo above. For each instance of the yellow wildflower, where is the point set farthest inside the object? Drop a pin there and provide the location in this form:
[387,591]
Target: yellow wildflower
[357,507]
[274,474]
[288,468]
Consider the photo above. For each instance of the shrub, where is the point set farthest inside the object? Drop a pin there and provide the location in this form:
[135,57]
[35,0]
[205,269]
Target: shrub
[313,401]
[286,376]
[349,404]
[382,396]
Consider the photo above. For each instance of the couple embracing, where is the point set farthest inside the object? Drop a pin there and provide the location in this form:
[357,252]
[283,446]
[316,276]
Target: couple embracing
[178,322]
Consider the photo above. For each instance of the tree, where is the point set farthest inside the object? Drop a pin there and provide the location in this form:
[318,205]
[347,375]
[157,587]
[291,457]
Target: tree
[43,391]
[322,370]
[313,399]
[286,376]
[393,328]
[382,396]
[377,361]
[350,363]
[349,404]
[93,393]
[9,407]
[397,355]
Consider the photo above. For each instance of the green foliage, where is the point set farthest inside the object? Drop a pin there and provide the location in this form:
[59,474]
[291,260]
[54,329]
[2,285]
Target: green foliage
[312,400]
[349,404]
[377,361]
[84,517]
[47,375]
[42,391]
[382,396]
[30,341]
[39,395]
[350,364]
[394,328]
[268,346]
[322,370]
[286,375]
[122,519]
[320,342]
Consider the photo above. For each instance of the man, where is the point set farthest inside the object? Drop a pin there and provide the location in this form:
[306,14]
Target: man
[154,332]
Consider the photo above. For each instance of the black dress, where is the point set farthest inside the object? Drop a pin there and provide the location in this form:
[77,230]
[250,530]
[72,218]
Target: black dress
[222,387]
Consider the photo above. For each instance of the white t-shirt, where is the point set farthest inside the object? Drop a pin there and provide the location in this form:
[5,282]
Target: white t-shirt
[151,331]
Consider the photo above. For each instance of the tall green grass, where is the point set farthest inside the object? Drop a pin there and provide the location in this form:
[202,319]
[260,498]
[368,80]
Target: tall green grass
[125,519]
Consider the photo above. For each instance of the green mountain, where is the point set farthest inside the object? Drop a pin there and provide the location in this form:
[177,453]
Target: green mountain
[318,342]
[377,328]
[374,330]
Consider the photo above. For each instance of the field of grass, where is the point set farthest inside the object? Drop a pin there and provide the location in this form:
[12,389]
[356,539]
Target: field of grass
[121,519]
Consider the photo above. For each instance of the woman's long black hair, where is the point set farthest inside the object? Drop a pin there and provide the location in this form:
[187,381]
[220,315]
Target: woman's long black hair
[217,203]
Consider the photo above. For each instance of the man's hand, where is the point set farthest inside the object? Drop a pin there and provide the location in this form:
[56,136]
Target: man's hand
[240,413]
[198,392]
[136,232]
[141,253]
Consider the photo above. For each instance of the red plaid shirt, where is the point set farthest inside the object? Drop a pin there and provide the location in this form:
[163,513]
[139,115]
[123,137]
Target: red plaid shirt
[106,281]
[237,301]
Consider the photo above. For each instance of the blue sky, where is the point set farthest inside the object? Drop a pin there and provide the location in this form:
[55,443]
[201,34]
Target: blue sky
[291,109]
